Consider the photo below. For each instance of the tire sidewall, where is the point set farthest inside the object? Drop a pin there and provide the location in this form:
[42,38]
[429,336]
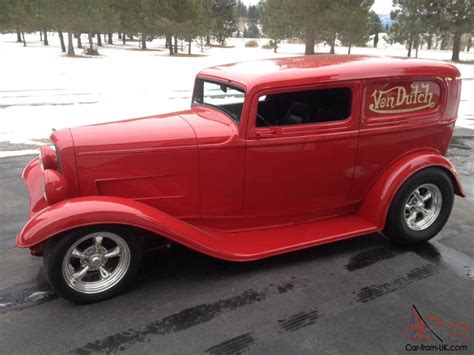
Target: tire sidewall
[397,228]
[56,249]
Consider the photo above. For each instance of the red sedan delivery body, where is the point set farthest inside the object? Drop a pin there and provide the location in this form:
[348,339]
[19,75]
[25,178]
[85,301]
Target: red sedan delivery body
[273,156]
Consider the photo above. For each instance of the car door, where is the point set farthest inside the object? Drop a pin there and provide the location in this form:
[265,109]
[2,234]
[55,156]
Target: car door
[301,150]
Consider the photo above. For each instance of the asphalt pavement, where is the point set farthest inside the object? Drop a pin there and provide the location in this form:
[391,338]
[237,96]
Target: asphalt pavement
[349,297]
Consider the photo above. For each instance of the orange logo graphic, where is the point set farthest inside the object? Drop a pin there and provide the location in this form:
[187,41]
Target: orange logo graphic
[433,328]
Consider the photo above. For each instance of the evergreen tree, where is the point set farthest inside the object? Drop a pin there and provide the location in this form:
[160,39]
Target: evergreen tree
[455,17]
[253,31]
[19,16]
[375,27]
[241,9]
[275,21]
[409,22]
[225,19]
[253,12]
[355,32]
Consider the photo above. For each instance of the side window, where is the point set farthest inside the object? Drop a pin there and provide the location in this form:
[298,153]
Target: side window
[304,107]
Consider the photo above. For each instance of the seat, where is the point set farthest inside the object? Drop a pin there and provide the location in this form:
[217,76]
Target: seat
[298,113]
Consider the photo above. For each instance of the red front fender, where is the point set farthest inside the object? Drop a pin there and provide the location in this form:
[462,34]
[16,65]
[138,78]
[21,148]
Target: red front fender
[92,210]
[377,202]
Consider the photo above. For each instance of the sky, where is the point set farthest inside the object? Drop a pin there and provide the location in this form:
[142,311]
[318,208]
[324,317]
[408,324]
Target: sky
[380,6]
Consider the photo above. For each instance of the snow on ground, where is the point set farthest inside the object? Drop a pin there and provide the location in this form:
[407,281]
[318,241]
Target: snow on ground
[41,89]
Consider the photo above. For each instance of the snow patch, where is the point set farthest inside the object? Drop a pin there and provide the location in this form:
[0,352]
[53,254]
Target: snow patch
[38,295]
[55,91]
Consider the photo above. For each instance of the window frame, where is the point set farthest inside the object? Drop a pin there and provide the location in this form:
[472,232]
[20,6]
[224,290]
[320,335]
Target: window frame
[230,84]
[254,132]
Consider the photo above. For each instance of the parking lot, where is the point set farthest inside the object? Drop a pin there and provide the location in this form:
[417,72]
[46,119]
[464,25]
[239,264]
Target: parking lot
[354,296]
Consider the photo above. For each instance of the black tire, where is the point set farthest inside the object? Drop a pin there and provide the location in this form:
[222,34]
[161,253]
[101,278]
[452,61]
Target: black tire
[396,227]
[57,248]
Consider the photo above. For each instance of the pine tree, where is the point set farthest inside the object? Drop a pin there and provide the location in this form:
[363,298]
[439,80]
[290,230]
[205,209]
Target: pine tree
[276,21]
[19,15]
[455,17]
[375,27]
[225,19]
[355,32]
[409,22]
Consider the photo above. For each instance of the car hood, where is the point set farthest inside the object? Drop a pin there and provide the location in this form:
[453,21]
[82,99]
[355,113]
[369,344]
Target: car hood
[174,130]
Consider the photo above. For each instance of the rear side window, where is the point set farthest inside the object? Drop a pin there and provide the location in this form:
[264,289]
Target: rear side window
[304,107]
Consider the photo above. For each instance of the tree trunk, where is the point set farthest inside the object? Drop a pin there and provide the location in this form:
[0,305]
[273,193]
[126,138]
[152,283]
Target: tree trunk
[469,44]
[175,45]
[208,41]
[333,44]
[275,47]
[349,48]
[123,38]
[41,36]
[120,35]
[143,41]
[170,45]
[70,46]
[410,45]
[23,38]
[110,40]
[376,39]
[45,38]
[189,47]
[99,40]
[79,41]
[456,46]
[310,41]
[18,36]
[429,41]
[61,40]
[91,43]
[181,44]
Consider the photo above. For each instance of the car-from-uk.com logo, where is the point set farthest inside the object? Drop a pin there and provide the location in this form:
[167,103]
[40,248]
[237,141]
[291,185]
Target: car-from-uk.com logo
[432,333]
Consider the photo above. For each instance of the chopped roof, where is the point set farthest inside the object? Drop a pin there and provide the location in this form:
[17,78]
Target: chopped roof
[322,68]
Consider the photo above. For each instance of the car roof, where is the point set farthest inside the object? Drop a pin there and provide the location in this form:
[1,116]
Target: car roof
[279,72]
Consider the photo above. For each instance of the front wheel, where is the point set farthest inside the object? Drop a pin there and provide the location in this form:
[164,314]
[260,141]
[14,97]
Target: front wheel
[92,264]
[421,207]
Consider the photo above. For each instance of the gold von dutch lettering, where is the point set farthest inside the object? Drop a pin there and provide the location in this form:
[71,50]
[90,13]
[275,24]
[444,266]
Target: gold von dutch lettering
[419,98]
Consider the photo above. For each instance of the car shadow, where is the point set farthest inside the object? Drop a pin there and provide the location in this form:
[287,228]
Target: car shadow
[178,262]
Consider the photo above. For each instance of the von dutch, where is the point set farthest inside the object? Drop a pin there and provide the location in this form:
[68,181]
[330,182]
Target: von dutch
[398,100]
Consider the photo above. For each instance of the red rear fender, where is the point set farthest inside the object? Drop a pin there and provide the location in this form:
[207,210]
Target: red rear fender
[377,203]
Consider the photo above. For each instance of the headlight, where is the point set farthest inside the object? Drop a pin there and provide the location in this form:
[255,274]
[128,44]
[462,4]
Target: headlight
[55,186]
[48,158]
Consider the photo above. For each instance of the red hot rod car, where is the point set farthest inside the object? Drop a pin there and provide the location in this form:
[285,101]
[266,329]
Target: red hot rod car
[273,156]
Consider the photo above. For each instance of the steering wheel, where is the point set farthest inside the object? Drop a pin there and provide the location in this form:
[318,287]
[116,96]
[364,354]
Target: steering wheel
[263,120]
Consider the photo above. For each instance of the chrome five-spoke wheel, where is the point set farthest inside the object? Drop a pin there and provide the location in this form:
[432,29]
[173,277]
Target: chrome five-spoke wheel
[96,262]
[423,206]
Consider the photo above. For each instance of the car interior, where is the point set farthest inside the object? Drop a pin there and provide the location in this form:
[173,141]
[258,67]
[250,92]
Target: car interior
[304,107]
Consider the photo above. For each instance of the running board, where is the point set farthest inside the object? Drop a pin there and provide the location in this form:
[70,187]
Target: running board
[263,243]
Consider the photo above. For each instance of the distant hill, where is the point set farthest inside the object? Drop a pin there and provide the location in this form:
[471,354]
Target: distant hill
[385,19]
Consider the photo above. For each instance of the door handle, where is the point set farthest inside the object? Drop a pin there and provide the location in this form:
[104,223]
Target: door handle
[268,132]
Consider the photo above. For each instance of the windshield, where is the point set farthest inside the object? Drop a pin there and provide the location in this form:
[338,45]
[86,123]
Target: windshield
[226,98]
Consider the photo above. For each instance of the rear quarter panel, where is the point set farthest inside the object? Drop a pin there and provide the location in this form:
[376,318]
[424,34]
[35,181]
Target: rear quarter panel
[418,115]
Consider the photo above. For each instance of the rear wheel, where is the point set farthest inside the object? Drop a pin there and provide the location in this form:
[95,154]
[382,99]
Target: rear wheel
[421,207]
[92,264]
